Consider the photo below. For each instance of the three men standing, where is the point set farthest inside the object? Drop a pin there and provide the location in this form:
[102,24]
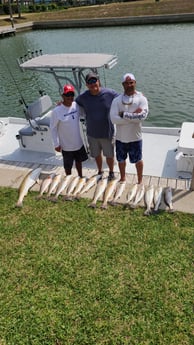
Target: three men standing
[103,108]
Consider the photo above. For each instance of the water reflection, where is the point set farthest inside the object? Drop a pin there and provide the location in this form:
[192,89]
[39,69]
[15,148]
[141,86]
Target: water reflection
[160,56]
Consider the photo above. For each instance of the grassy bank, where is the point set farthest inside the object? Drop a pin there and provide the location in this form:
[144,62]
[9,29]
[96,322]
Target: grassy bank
[133,8]
[73,275]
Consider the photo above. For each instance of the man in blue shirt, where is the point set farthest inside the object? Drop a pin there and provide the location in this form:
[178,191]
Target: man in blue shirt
[96,102]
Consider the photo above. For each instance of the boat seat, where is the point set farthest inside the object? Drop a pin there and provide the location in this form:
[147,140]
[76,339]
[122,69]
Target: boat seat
[28,131]
[45,120]
[38,113]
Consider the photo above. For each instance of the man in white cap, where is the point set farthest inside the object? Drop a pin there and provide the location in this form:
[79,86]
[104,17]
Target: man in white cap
[127,112]
[65,130]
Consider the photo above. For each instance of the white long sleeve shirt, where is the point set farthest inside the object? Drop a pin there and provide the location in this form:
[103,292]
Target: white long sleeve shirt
[65,127]
[128,127]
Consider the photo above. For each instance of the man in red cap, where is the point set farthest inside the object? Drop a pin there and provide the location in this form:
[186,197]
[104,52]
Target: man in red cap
[65,130]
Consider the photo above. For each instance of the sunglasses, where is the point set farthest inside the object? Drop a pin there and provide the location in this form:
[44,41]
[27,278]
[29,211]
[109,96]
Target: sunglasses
[92,81]
[69,94]
[127,100]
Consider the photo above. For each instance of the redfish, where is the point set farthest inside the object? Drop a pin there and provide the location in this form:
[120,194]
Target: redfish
[29,180]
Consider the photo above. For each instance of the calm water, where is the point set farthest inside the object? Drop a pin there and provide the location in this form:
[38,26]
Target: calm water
[161,57]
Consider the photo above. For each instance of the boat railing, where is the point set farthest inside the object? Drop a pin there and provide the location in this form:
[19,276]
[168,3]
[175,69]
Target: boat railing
[162,130]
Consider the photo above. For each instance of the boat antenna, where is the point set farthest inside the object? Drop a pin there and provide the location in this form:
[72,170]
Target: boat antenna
[22,101]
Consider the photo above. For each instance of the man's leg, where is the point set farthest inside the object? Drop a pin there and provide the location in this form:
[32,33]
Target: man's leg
[68,171]
[78,166]
[98,160]
[139,168]
[110,163]
[67,161]
[122,166]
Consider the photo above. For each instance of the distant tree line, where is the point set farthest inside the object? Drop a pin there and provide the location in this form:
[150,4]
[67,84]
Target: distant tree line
[18,6]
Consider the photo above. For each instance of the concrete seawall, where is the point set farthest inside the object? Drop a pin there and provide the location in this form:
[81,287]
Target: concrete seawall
[138,20]
[100,22]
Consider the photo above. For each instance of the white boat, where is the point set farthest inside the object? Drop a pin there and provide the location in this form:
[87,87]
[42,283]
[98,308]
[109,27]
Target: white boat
[167,152]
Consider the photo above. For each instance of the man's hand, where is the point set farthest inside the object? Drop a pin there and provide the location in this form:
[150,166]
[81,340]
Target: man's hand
[113,140]
[138,110]
[59,102]
[58,148]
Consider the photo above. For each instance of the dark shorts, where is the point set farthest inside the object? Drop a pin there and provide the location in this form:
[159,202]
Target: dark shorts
[70,156]
[133,150]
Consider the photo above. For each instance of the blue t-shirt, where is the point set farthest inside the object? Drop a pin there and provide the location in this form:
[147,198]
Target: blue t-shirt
[97,109]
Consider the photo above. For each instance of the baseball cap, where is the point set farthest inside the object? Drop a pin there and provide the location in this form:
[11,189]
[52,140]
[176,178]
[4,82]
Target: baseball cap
[68,88]
[128,75]
[90,76]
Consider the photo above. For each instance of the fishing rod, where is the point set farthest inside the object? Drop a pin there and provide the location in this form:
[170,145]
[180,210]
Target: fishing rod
[22,100]
[30,55]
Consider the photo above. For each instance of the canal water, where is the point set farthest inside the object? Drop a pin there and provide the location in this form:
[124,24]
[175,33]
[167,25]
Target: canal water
[160,56]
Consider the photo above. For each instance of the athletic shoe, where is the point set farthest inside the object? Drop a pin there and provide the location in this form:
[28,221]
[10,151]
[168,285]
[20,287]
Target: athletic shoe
[111,176]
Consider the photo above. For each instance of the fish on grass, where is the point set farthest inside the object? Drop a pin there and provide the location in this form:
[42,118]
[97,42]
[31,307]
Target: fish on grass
[100,188]
[139,195]
[131,193]
[108,192]
[55,181]
[45,185]
[91,182]
[63,184]
[168,198]
[119,192]
[158,191]
[29,180]
[148,199]
[79,186]
[71,187]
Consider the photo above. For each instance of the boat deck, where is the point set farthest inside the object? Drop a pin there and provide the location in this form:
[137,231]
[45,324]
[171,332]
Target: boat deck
[12,167]
[12,173]
[159,153]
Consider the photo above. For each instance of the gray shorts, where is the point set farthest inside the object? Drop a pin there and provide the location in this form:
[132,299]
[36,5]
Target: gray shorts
[98,145]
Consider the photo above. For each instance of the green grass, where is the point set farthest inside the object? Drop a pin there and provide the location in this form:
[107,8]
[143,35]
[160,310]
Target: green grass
[117,9]
[75,275]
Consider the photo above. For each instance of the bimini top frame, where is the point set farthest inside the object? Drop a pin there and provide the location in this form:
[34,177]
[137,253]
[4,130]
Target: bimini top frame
[69,68]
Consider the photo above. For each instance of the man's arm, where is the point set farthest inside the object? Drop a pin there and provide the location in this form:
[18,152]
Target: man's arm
[139,114]
[115,114]
[54,132]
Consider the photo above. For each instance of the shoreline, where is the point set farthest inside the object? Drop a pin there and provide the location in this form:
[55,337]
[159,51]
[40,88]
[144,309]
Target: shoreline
[100,22]
[114,21]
